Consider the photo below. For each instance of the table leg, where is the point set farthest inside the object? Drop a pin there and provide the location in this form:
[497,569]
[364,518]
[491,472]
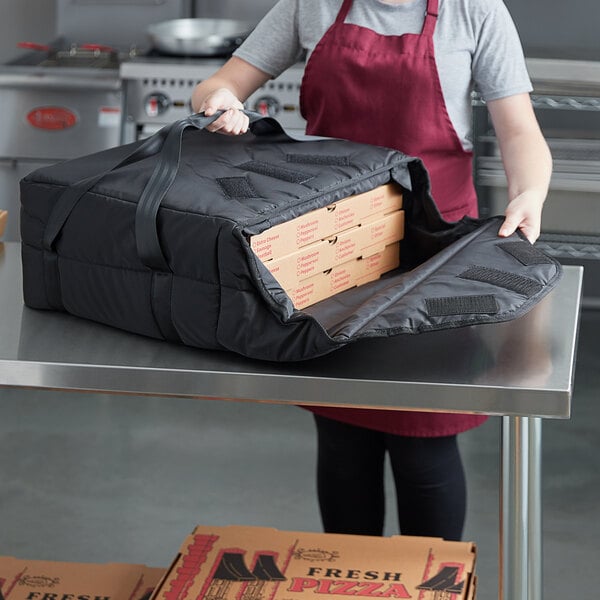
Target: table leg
[535,552]
[520,551]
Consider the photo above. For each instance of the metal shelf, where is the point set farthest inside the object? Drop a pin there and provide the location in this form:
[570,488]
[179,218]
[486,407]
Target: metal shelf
[565,102]
[554,101]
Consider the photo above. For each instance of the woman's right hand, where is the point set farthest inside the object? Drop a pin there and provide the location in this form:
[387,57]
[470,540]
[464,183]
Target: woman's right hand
[233,121]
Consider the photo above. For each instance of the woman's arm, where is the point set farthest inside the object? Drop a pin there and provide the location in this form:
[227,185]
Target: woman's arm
[226,90]
[527,163]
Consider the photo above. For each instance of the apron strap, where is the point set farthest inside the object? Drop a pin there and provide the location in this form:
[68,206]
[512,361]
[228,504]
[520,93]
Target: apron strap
[344,10]
[431,16]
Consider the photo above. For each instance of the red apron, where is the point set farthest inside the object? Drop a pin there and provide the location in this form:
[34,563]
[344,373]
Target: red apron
[385,90]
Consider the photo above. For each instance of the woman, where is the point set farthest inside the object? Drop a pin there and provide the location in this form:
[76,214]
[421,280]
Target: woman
[399,73]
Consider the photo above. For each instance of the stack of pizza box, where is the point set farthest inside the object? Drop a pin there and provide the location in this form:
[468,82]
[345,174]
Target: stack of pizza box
[337,247]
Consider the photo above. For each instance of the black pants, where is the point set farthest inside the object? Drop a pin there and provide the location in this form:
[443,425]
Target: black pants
[428,476]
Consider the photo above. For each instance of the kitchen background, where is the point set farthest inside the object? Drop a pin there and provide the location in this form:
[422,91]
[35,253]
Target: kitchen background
[112,479]
[561,26]
[42,20]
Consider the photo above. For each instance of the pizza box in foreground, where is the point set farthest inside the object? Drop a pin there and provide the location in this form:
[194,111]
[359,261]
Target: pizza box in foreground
[254,563]
[49,580]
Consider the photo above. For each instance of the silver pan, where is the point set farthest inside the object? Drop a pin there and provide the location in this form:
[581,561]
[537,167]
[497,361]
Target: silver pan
[199,37]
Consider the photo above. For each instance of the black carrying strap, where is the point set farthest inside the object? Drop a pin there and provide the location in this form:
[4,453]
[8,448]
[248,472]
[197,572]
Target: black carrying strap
[72,194]
[163,176]
[167,142]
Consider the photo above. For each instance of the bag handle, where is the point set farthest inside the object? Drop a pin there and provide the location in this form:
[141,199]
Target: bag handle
[152,145]
[73,193]
[164,174]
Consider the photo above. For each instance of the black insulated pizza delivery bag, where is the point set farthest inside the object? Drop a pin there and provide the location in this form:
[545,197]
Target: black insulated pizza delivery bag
[153,237]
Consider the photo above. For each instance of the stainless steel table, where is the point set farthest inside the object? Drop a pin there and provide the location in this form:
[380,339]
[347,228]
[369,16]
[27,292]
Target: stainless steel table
[522,370]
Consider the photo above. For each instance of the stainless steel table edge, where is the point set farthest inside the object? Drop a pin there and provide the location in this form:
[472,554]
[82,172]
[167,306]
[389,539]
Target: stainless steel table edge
[285,389]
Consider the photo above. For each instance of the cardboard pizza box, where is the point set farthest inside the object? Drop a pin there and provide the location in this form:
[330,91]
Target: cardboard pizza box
[22,579]
[344,276]
[360,241]
[322,223]
[3,221]
[253,563]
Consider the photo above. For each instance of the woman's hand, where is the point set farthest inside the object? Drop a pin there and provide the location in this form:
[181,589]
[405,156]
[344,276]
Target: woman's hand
[225,90]
[527,163]
[524,212]
[232,121]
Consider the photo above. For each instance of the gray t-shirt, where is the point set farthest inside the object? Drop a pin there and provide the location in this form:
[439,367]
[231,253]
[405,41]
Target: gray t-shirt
[476,44]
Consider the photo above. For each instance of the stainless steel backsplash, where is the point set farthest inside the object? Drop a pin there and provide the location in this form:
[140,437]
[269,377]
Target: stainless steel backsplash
[119,23]
[245,10]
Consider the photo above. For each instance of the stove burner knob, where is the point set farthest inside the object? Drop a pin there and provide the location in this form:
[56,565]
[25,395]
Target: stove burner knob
[156,104]
[267,106]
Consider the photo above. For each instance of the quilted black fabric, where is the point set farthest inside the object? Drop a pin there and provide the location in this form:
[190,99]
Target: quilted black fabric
[152,237]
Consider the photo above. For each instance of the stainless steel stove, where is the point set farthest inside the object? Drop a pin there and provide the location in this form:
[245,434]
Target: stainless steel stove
[58,102]
[64,99]
[157,91]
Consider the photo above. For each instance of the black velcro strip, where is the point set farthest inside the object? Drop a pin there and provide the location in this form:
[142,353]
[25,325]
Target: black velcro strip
[461,305]
[263,168]
[237,187]
[318,159]
[525,253]
[509,281]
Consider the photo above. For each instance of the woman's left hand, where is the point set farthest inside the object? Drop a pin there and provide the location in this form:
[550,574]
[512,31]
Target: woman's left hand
[524,212]
[527,163]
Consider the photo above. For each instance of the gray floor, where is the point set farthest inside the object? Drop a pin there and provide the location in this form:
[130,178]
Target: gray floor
[100,478]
